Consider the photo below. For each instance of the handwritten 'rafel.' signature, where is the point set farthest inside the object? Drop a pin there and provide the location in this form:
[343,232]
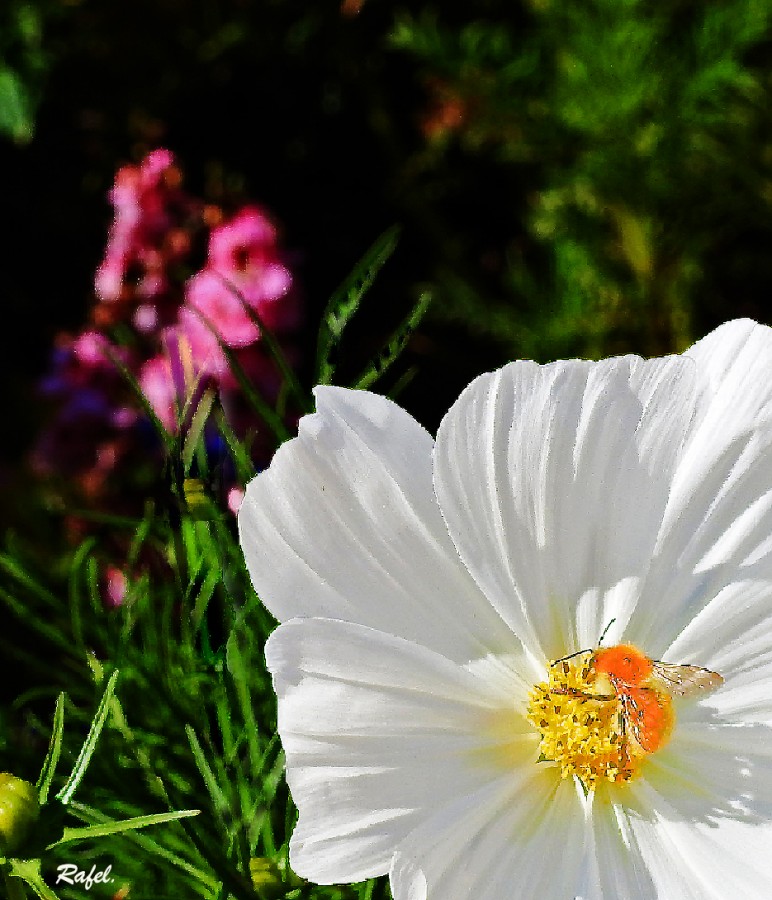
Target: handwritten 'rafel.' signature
[69,873]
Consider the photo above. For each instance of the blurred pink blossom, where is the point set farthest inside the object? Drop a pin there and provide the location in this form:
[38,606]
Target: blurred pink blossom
[145,317]
[243,252]
[222,308]
[174,380]
[157,384]
[203,343]
[114,588]
[177,282]
[235,499]
[243,242]
[93,350]
[148,204]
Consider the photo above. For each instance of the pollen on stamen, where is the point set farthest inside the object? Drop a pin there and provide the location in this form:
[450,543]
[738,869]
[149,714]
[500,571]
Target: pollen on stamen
[581,733]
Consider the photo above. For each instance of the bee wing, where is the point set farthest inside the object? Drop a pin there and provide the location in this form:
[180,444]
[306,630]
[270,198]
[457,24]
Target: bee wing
[634,715]
[685,681]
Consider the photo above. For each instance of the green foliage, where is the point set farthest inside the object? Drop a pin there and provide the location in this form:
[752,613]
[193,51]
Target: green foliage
[345,302]
[584,178]
[31,826]
[23,64]
[632,138]
[191,724]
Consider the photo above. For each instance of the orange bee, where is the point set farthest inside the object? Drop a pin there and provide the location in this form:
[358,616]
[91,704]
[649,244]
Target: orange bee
[643,687]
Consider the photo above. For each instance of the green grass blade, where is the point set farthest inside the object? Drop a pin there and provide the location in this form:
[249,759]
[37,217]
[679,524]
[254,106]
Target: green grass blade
[196,429]
[71,835]
[15,570]
[148,844]
[89,745]
[167,439]
[75,589]
[345,301]
[28,870]
[274,349]
[251,394]
[219,799]
[54,750]
[245,468]
[254,397]
[395,345]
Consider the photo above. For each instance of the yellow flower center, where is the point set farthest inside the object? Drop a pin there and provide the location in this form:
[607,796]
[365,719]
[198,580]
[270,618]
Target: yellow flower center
[582,725]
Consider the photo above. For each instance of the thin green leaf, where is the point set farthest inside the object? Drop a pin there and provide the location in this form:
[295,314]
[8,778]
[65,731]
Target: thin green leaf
[16,106]
[46,776]
[167,439]
[148,844]
[237,668]
[74,589]
[38,623]
[395,345]
[141,533]
[89,745]
[345,301]
[251,394]
[274,349]
[28,870]
[211,581]
[94,831]
[255,398]
[14,569]
[197,423]
[244,465]
[14,887]
[219,799]
[402,382]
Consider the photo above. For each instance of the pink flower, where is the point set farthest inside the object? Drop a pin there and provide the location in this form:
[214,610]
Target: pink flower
[243,252]
[93,350]
[114,586]
[204,346]
[145,318]
[155,166]
[148,204]
[157,383]
[108,281]
[235,498]
[243,242]
[174,381]
[220,306]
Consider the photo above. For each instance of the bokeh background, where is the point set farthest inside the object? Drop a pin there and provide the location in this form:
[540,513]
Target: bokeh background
[569,178]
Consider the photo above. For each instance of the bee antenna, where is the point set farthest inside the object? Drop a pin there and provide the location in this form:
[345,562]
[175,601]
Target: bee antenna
[570,656]
[605,631]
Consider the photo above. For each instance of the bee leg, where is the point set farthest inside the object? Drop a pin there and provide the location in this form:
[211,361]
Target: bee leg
[624,741]
[573,692]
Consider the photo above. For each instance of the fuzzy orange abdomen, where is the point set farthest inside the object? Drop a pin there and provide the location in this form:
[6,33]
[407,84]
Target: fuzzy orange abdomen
[649,715]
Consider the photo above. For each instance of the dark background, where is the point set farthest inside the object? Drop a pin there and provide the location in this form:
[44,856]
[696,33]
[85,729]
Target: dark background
[328,116]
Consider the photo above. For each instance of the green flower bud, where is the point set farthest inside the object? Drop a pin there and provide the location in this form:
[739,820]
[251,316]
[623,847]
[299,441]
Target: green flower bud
[266,877]
[19,810]
[269,880]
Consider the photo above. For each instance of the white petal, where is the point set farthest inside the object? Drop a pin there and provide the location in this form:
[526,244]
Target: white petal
[717,528]
[732,635]
[700,860]
[498,843]
[345,524]
[645,850]
[616,865]
[553,480]
[379,733]
[697,825]
[713,770]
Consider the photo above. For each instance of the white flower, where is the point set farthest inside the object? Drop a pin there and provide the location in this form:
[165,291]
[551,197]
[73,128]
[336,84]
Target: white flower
[424,589]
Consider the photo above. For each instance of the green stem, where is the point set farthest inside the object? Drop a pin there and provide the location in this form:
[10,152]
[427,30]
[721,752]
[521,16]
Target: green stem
[14,888]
